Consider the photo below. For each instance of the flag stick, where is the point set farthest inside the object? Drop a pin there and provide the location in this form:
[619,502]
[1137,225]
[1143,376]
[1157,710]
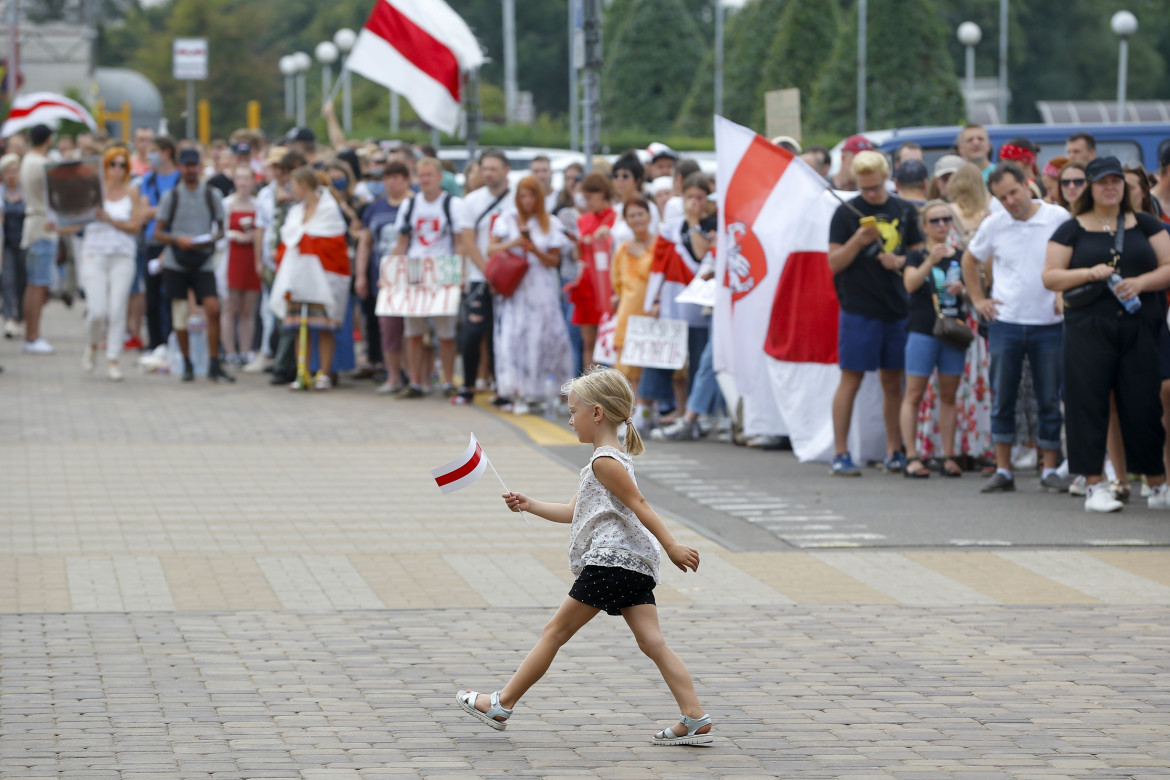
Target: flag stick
[505,487]
[337,83]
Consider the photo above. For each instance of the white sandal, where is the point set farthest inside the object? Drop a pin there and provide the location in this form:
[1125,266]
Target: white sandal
[467,700]
[692,737]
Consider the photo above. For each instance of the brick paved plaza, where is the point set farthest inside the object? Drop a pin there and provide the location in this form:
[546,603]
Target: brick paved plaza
[242,582]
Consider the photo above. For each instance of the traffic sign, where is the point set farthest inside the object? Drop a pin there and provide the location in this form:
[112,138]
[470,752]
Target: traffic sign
[190,59]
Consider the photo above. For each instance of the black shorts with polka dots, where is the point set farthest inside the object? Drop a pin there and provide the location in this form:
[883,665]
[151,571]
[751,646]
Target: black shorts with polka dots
[612,588]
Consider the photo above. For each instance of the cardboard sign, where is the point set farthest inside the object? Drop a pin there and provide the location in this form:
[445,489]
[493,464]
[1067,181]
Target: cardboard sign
[73,189]
[604,350]
[419,286]
[655,343]
[699,291]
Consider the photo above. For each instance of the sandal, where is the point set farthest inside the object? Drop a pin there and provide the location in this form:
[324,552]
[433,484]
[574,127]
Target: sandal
[467,699]
[923,474]
[951,470]
[698,732]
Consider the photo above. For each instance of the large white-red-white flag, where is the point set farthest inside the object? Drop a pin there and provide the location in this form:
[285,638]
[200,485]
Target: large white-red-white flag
[462,471]
[419,49]
[44,108]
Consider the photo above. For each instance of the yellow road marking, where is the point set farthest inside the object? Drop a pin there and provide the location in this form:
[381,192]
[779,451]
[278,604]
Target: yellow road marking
[539,430]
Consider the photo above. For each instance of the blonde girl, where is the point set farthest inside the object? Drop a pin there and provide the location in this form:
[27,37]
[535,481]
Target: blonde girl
[613,551]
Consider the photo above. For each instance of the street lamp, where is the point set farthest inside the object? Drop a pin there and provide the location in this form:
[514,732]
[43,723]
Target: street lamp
[1124,24]
[345,39]
[288,69]
[303,63]
[969,36]
[326,54]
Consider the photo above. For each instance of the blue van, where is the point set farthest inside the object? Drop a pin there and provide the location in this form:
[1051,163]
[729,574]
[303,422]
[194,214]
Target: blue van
[1129,142]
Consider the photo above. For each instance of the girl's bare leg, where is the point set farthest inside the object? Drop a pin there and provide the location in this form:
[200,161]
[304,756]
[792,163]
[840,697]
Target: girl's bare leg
[643,621]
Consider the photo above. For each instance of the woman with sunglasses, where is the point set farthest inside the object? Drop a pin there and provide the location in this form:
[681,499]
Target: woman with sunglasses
[108,262]
[628,176]
[1072,183]
[933,279]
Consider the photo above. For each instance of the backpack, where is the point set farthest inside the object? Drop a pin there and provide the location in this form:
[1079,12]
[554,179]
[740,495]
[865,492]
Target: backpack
[407,230]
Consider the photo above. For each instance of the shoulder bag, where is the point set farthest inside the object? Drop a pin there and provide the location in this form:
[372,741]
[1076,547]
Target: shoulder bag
[505,270]
[1082,295]
[951,331]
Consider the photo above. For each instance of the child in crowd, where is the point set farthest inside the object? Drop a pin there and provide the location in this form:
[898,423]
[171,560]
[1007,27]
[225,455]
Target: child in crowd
[613,553]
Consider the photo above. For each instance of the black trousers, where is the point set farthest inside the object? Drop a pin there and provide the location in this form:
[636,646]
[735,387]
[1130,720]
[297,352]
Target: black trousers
[1106,353]
[373,334]
[476,320]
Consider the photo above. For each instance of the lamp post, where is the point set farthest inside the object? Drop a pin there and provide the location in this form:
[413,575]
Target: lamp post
[1124,24]
[303,63]
[326,54]
[969,36]
[288,69]
[345,39]
[862,15]
[1003,61]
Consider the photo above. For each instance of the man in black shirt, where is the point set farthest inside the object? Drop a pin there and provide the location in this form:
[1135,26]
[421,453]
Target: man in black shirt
[866,260]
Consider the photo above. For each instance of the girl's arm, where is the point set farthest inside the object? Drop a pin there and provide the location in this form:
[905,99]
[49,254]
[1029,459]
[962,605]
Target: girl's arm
[614,477]
[557,513]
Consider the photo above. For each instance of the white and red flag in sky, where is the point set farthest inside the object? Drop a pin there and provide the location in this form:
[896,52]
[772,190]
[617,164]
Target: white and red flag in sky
[462,471]
[44,108]
[419,49]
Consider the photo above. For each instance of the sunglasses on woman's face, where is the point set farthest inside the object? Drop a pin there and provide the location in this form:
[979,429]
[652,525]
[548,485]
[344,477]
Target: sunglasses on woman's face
[118,164]
[1072,182]
[941,220]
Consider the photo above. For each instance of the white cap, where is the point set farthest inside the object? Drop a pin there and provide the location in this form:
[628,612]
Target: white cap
[787,139]
[656,150]
[662,184]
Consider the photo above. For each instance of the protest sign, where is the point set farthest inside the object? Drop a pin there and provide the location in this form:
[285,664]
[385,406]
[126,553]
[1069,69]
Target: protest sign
[604,350]
[655,343]
[73,189]
[419,286]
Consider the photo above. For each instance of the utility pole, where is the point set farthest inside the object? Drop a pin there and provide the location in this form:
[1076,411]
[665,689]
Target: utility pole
[591,23]
[576,61]
[719,57]
[471,111]
[862,13]
[510,61]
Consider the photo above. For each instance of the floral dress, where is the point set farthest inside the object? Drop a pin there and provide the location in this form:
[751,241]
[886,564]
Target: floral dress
[531,338]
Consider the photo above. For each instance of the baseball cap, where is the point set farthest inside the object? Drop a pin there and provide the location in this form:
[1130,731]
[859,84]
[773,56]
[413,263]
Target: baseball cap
[302,134]
[911,172]
[661,184]
[659,150]
[188,156]
[242,148]
[857,143]
[275,155]
[947,164]
[787,142]
[1100,167]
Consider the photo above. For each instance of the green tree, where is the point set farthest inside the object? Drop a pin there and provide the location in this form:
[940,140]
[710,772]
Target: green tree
[806,32]
[644,69]
[910,78]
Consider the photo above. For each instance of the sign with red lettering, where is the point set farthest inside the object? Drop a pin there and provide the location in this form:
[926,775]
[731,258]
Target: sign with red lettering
[419,286]
[189,59]
[655,343]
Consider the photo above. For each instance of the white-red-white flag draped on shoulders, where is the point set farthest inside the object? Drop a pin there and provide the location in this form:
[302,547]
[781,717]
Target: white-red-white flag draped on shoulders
[419,49]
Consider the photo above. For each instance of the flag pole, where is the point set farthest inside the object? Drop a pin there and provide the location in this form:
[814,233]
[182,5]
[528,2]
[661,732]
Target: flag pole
[505,487]
[336,83]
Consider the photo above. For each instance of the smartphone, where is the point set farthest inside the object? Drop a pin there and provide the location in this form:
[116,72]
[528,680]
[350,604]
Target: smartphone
[869,221]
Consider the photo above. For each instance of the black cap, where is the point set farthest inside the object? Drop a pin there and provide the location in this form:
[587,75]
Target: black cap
[1164,153]
[1101,167]
[304,135]
[188,156]
[911,172]
[242,148]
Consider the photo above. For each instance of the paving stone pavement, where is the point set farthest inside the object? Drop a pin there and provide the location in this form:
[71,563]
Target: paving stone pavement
[242,582]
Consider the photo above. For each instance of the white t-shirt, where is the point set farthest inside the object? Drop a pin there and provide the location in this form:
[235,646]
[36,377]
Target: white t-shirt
[507,228]
[674,208]
[1018,248]
[430,235]
[475,204]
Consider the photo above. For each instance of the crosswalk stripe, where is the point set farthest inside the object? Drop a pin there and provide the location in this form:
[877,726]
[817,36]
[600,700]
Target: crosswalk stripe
[1090,575]
[314,582]
[898,576]
[118,583]
[719,582]
[509,580]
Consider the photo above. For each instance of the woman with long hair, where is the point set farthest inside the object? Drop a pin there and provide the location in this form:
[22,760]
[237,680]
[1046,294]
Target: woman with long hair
[243,269]
[628,177]
[629,273]
[531,340]
[108,262]
[967,192]
[1070,184]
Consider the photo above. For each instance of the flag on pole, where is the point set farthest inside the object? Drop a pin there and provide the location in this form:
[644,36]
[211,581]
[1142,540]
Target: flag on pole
[44,108]
[462,471]
[418,48]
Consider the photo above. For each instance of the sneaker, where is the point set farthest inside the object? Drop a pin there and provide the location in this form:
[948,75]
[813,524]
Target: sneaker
[411,391]
[38,347]
[87,358]
[998,483]
[322,381]
[1146,490]
[1159,497]
[132,342]
[767,442]
[1078,487]
[679,430]
[895,464]
[114,373]
[1054,483]
[1024,458]
[450,390]
[216,373]
[501,400]
[188,371]
[1120,491]
[1100,500]
[11,329]
[258,365]
[843,466]
[387,388]
[463,398]
[521,407]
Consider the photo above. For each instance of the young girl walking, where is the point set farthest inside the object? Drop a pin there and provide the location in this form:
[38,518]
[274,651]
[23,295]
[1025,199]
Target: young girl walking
[614,554]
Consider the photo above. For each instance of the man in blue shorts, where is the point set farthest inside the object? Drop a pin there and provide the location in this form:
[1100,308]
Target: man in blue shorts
[867,261]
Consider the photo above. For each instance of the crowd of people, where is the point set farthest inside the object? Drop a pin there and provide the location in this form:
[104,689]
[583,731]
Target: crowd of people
[967,286]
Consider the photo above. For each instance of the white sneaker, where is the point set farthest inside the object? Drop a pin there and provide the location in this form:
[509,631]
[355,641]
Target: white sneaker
[1078,487]
[114,373]
[258,364]
[521,407]
[38,347]
[1024,458]
[1159,497]
[1101,500]
[11,329]
[87,359]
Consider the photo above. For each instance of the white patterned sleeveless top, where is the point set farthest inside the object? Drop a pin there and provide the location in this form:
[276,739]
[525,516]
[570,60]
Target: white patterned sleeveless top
[605,531]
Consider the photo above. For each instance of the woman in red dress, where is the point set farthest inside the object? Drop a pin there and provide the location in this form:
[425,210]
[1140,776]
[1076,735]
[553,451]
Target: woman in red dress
[243,270]
[592,291]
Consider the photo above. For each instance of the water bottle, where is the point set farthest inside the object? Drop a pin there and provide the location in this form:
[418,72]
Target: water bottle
[953,276]
[552,397]
[197,344]
[1133,304]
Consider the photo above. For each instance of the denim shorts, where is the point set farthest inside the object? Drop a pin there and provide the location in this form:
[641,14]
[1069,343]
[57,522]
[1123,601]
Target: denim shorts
[41,262]
[866,344]
[925,353]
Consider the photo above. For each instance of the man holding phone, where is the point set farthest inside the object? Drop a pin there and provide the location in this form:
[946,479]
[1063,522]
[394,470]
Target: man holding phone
[868,240]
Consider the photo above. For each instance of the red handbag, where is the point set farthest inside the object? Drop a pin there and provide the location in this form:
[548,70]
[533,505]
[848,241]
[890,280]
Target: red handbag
[505,271]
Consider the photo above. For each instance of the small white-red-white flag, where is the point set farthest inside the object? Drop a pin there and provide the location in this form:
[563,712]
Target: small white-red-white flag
[418,48]
[462,471]
[44,108]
